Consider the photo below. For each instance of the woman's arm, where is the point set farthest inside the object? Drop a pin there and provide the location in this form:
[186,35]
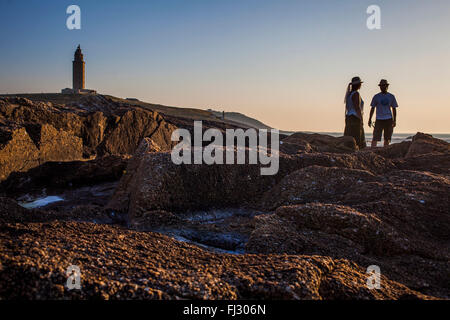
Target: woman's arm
[356,99]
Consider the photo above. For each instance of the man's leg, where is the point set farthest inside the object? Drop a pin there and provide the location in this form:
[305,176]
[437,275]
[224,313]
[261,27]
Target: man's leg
[388,130]
[377,131]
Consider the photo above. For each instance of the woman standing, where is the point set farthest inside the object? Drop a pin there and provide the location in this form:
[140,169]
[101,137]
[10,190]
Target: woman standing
[354,108]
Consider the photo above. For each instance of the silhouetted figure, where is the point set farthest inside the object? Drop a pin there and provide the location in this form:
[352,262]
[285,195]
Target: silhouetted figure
[354,107]
[385,119]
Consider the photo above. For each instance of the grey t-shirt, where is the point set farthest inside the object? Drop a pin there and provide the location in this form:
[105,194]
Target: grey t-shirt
[383,102]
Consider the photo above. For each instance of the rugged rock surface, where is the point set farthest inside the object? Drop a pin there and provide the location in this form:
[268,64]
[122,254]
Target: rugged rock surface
[17,151]
[351,186]
[55,145]
[132,127]
[365,237]
[65,175]
[311,230]
[12,212]
[305,142]
[120,264]
[426,144]
[393,151]
[362,206]
[423,153]
[153,182]
[71,132]
[25,148]
[394,219]
[436,163]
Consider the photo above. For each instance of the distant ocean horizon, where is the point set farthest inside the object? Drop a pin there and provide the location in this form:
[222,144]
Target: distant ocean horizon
[396,137]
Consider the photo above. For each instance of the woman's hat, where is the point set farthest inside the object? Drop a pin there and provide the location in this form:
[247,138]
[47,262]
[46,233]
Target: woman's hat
[356,80]
[383,82]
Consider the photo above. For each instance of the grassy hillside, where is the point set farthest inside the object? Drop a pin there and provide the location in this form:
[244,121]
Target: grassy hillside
[241,118]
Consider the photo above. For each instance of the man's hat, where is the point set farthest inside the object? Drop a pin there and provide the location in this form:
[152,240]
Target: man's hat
[356,80]
[383,82]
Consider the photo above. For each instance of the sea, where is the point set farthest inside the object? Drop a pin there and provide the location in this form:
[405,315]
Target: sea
[396,137]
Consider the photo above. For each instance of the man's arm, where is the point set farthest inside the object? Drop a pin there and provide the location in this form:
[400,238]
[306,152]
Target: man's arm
[371,115]
[356,102]
[394,111]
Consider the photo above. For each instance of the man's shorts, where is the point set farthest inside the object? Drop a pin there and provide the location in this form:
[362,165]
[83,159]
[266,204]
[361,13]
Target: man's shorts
[383,125]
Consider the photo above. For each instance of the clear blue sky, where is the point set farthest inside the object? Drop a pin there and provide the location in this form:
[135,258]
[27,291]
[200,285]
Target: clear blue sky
[284,62]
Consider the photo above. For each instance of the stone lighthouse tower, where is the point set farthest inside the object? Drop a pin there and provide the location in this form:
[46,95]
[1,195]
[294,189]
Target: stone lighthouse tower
[78,76]
[78,70]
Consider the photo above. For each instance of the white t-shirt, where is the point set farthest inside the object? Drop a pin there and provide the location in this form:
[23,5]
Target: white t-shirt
[350,109]
[383,102]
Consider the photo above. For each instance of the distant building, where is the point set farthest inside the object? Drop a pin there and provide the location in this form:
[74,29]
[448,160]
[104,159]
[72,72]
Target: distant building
[79,75]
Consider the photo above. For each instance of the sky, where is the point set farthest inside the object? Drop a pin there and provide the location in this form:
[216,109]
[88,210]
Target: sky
[285,62]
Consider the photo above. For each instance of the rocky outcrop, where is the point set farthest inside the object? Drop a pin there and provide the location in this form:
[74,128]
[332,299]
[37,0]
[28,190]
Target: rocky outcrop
[309,232]
[436,163]
[25,148]
[304,142]
[73,132]
[121,199]
[366,237]
[392,220]
[339,185]
[154,182]
[55,145]
[129,130]
[393,151]
[17,151]
[426,144]
[315,183]
[35,257]
[93,131]
[66,175]
[324,228]
[423,153]
[359,206]
[414,203]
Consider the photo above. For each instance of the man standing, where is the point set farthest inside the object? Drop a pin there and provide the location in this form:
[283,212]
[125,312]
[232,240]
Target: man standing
[386,120]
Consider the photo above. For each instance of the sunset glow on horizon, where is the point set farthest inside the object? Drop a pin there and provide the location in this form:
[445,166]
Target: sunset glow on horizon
[285,63]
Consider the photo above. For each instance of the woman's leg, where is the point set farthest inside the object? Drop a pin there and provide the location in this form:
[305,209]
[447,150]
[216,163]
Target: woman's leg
[388,131]
[353,129]
[363,138]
